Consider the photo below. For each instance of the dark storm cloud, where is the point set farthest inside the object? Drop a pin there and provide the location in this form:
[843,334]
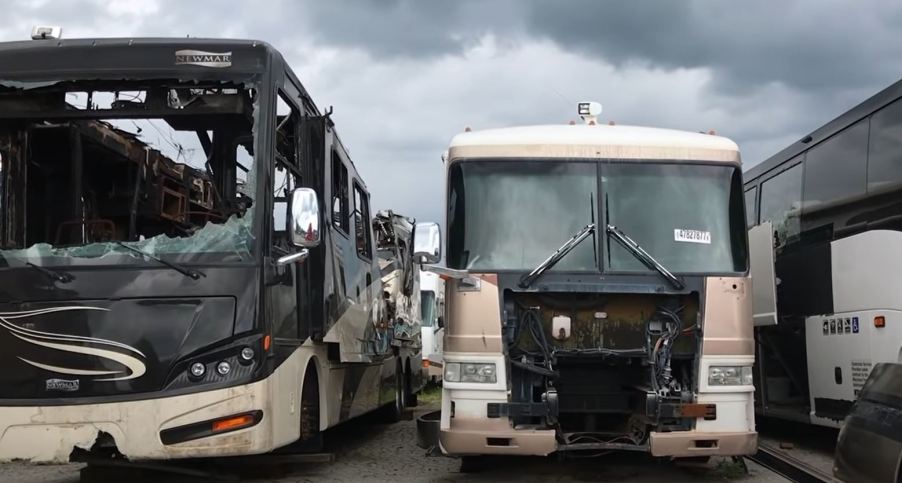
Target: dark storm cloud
[813,44]
[406,75]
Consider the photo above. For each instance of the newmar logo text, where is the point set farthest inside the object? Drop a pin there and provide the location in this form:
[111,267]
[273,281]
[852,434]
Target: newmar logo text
[64,385]
[127,361]
[203,59]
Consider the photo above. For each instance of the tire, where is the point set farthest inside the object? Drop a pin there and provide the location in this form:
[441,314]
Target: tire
[472,464]
[311,437]
[394,412]
[410,400]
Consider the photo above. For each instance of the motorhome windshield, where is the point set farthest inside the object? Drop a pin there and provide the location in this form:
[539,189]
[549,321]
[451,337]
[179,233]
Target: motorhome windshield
[166,167]
[688,216]
[511,214]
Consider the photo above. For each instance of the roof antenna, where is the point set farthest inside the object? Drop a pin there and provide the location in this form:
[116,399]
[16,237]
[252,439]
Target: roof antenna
[589,112]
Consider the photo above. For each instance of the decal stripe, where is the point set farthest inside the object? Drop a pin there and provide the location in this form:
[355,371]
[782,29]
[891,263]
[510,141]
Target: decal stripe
[4,316]
[136,367]
[66,370]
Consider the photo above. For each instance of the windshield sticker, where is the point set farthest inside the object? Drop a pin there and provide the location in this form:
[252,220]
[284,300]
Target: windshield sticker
[691,236]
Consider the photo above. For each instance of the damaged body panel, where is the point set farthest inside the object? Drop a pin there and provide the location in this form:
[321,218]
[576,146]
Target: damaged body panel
[154,299]
[400,285]
[634,334]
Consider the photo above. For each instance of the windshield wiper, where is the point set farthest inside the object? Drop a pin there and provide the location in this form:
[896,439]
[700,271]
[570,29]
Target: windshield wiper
[62,277]
[555,257]
[643,256]
[186,271]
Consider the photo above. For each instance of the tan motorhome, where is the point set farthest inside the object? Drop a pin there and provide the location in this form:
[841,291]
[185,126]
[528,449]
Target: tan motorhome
[597,293]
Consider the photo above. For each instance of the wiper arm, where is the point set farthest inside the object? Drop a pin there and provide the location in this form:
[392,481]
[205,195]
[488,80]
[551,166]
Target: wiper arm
[643,256]
[555,257]
[62,277]
[186,271]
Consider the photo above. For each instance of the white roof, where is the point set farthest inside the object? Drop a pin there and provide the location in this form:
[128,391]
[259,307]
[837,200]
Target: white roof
[596,141]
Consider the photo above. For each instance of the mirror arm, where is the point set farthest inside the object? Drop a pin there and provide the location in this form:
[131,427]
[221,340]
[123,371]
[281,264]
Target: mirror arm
[293,258]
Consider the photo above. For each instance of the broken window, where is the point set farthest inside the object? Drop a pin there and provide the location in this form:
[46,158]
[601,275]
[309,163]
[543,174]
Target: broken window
[286,176]
[165,167]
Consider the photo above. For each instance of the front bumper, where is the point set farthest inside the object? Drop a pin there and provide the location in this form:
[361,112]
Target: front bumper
[51,433]
[698,443]
[495,436]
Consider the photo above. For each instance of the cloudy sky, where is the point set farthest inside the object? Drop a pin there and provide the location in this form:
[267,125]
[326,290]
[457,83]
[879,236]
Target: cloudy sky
[405,76]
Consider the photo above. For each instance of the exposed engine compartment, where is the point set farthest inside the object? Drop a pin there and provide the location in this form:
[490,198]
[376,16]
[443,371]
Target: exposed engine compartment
[601,368]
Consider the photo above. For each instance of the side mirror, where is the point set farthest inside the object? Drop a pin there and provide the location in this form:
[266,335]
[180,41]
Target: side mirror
[304,218]
[427,242]
[440,323]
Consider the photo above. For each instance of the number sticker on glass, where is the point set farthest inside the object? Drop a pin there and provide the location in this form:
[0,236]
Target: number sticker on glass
[691,236]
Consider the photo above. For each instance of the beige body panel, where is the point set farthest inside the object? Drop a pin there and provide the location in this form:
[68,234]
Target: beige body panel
[728,329]
[474,323]
[521,151]
[49,433]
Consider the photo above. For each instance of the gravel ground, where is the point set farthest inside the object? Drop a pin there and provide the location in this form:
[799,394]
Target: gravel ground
[368,451]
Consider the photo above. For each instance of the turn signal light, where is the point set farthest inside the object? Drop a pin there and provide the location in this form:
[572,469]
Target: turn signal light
[880,321]
[267,342]
[232,423]
[425,363]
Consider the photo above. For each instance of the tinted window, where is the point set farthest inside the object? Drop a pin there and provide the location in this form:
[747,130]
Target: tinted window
[885,153]
[750,218]
[511,215]
[362,222]
[339,193]
[691,224]
[780,202]
[836,168]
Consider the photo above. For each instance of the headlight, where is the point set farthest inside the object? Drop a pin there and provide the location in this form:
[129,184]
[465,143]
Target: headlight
[730,376]
[470,372]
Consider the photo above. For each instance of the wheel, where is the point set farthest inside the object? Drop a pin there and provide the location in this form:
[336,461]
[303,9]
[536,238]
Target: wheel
[393,412]
[471,464]
[311,437]
[410,399]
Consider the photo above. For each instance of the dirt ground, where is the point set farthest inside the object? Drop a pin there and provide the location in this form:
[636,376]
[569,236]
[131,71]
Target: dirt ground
[366,450]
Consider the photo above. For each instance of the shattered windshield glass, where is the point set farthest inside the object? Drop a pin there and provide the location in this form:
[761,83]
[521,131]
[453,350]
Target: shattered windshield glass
[165,167]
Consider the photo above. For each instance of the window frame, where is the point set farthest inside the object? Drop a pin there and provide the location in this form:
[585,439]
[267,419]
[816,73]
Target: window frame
[341,224]
[357,188]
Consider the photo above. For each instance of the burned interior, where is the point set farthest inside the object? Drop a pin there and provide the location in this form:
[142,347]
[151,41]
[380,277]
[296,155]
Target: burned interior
[88,165]
[602,367]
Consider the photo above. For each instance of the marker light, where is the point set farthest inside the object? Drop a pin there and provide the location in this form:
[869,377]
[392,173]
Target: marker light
[197,369]
[223,368]
[879,321]
[233,423]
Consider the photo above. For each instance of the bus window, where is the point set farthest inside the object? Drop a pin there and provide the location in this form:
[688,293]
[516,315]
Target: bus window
[835,169]
[362,222]
[339,193]
[780,202]
[885,150]
[751,208]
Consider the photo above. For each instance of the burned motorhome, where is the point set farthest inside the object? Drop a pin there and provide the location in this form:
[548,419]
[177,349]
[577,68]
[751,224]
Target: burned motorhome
[170,286]
[400,272]
[597,295]
[401,285]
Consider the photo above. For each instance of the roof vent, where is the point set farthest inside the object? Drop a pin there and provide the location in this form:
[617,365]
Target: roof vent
[46,32]
[589,112]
